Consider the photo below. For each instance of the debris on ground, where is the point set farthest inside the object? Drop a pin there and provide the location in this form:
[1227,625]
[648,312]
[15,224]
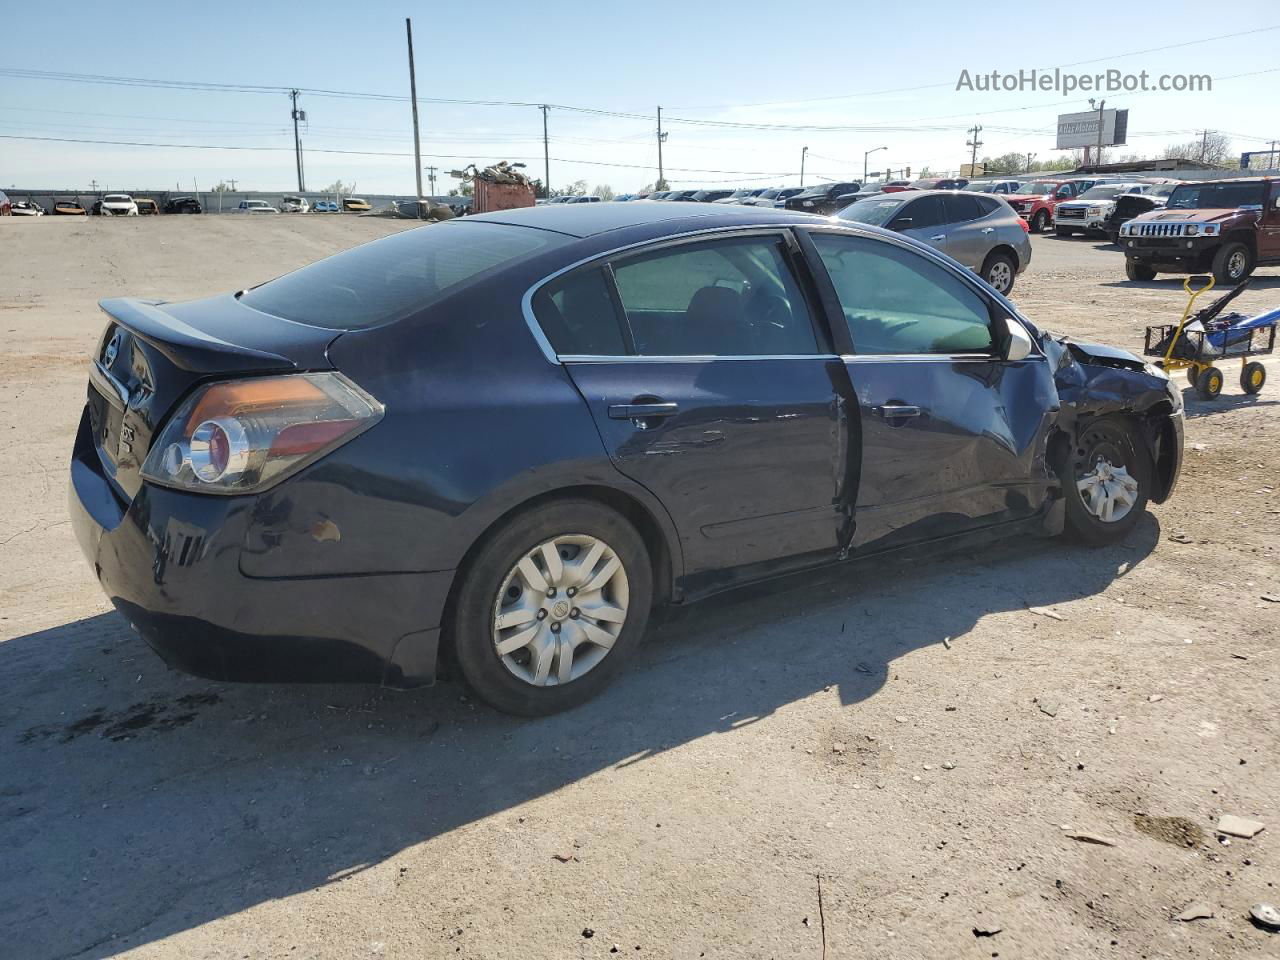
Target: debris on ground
[1234,826]
[1181,537]
[1155,698]
[1049,708]
[1197,911]
[1266,916]
[1046,612]
[986,931]
[1271,597]
[1092,838]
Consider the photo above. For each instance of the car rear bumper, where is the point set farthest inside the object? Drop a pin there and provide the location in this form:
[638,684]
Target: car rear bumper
[170,563]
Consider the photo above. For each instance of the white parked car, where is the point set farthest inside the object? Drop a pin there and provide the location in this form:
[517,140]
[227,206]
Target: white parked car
[294,205]
[119,205]
[255,206]
[26,208]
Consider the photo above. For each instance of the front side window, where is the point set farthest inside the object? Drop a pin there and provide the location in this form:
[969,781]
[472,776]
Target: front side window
[925,212]
[897,301]
[734,297]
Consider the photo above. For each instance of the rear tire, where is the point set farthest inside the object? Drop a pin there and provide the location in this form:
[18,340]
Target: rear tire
[1252,377]
[1232,263]
[1109,464]
[1040,222]
[507,681]
[999,271]
[1209,383]
[1138,271]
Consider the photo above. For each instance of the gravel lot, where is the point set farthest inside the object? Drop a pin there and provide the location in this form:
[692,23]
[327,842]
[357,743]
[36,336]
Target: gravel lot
[924,738]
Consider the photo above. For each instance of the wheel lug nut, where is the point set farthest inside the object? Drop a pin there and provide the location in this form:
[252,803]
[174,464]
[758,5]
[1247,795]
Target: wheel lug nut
[542,614]
[555,628]
[572,591]
[551,592]
[574,613]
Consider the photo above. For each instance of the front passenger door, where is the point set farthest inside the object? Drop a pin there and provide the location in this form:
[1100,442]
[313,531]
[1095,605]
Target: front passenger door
[924,219]
[953,435]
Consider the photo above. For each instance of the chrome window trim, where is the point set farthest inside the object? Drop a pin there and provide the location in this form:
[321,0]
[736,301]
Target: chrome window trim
[689,358]
[526,302]
[935,357]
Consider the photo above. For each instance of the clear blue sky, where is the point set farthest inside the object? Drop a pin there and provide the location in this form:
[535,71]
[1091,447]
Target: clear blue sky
[708,62]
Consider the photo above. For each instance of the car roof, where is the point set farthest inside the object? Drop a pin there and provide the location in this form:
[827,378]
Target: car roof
[589,219]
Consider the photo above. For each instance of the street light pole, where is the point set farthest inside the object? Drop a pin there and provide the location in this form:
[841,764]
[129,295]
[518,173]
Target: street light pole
[864,162]
[803,151]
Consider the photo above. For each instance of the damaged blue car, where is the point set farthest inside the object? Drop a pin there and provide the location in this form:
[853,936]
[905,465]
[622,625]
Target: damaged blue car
[514,435]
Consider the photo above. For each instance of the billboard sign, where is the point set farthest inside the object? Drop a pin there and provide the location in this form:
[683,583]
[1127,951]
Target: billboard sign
[1081,129]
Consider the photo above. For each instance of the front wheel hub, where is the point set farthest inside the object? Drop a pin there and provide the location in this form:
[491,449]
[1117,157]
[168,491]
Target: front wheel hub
[1109,492]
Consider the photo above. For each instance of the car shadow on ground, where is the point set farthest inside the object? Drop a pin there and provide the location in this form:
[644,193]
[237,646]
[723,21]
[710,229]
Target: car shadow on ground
[137,803]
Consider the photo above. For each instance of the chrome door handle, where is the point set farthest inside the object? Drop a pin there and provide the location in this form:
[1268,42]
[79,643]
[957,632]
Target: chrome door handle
[940,236]
[988,229]
[641,411]
[892,411]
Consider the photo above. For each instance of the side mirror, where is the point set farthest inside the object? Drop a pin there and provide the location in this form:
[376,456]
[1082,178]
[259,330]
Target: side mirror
[1017,342]
[902,223]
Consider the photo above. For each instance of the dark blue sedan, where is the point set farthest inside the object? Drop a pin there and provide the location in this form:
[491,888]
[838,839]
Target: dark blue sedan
[517,433]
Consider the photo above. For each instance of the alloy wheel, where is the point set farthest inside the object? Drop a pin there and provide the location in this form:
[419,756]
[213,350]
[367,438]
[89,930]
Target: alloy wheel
[1109,492]
[560,610]
[1236,264]
[1000,276]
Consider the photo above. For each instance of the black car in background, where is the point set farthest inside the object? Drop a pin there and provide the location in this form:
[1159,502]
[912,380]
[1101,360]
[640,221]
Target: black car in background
[710,196]
[514,434]
[823,199]
[183,205]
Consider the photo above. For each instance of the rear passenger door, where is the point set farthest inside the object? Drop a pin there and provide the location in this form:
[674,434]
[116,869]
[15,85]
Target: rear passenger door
[968,235]
[712,384]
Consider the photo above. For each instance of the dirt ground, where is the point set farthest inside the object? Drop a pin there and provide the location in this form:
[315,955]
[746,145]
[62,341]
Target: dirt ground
[886,763]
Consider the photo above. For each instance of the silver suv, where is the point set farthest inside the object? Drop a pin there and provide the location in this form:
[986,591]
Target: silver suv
[978,229]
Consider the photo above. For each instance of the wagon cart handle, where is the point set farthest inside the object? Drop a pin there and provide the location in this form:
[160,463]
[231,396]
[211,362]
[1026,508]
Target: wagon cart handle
[1206,284]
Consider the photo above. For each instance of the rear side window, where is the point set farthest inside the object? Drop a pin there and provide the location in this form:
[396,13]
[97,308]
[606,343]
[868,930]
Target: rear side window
[733,297]
[577,314]
[399,275]
[897,301]
[962,207]
[987,204]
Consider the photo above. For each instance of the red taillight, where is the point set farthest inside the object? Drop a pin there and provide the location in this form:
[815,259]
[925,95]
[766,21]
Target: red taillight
[1023,224]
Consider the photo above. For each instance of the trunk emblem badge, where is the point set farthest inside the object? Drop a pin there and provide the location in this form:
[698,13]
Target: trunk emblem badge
[112,350]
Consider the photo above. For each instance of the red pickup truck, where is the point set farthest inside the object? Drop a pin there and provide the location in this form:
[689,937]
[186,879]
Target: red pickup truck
[1036,200]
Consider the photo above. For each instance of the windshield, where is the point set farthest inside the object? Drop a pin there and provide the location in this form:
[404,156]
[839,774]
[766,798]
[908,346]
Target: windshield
[1101,193]
[979,187]
[396,276]
[1216,196]
[117,198]
[1162,189]
[876,211]
[1036,188]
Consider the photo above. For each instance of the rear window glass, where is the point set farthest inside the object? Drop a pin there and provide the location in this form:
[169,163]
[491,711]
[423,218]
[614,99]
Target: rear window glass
[397,275]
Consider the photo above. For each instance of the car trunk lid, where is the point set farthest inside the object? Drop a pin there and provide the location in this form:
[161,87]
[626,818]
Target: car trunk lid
[152,354]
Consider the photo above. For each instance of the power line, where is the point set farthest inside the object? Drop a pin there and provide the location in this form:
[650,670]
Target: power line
[383,153]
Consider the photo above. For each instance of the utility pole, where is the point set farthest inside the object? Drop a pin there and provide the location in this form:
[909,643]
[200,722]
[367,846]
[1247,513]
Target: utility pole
[1030,156]
[1271,156]
[297,141]
[662,138]
[1098,158]
[803,152]
[546,154]
[232,181]
[413,98]
[431,178]
[974,144]
[1204,145]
